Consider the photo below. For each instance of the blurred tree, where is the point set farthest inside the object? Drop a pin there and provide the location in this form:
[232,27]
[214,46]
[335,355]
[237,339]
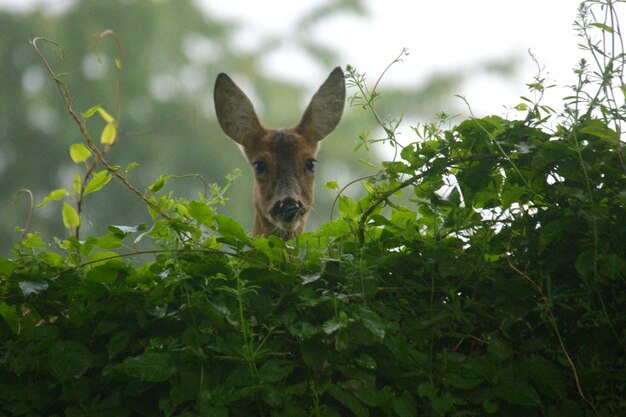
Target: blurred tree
[172,53]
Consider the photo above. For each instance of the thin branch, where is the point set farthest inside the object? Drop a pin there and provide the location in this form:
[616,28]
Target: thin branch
[233,254]
[546,302]
[83,128]
[29,217]
[119,63]
[340,192]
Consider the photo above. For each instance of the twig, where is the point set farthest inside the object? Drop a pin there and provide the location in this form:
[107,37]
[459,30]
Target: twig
[546,302]
[83,128]
[340,192]
[29,217]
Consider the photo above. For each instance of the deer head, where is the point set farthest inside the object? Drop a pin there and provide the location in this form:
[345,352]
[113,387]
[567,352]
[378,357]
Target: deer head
[283,160]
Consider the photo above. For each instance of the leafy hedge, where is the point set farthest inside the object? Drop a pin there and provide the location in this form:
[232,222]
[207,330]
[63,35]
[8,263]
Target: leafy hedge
[493,285]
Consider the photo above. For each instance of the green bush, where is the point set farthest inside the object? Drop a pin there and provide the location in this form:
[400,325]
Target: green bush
[482,274]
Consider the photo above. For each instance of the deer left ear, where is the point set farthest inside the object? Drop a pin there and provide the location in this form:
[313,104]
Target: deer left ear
[235,112]
[325,109]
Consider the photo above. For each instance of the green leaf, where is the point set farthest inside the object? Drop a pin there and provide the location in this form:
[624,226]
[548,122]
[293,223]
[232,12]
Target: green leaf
[490,406]
[150,366]
[518,392]
[442,404]
[54,195]
[105,116]
[336,323]
[109,134]
[70,216]
[96,182]
[69,359]
[33,241]
[602,26]
[79,152]
[118,342]
[9,314]
[201,212]
[426,389]
[275,370]
[304,330]
[7,267]
[122,231]
[131,166]
[585,263]
[372,322]
[53,259]
[91,111]
[103,274]
[404,406]
[310,278]
[332,185]
[228,227]
[100,258]
[347,399]
[337,227]
[366,361]
[77,183]
[348,207]
[158,183]
[464,383]
[545,376]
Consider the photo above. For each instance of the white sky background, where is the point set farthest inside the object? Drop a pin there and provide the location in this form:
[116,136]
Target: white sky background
[441,36]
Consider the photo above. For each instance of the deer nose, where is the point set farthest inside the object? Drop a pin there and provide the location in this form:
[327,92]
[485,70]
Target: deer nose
[287,210]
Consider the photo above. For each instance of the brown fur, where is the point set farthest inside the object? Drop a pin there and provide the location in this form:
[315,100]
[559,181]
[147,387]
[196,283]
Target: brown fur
[281,158]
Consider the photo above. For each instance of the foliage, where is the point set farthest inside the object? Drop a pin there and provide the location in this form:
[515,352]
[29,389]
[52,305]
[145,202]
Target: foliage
[482,274]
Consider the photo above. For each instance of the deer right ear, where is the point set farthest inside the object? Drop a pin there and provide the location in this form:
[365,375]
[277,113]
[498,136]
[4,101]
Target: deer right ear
[234,111]
[324,111]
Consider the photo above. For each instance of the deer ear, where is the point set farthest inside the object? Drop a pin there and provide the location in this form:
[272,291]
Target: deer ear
[324,111]
[234,111]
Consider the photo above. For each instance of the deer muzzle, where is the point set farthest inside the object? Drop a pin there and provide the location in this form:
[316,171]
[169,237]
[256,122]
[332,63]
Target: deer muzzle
[287,212]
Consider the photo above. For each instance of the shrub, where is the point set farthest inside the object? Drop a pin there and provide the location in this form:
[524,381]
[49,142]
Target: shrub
[482,274]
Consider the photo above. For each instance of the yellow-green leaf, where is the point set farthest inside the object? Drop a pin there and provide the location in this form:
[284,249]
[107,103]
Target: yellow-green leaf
[70,217]
[332,185]
[77,183]
[118,63]
[105,116]
[132,166]
[103,257]
[54,195]
[79,152]
[108,134]
[98,181]
[91,111]
[158,183]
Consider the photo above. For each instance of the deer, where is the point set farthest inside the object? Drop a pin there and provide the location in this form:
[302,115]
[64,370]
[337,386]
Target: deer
[283,160]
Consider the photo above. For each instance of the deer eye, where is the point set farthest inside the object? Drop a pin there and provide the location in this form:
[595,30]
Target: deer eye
[260,167]
[309,165]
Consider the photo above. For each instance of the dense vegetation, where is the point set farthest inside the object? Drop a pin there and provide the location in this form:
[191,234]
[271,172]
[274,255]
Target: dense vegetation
[482,274]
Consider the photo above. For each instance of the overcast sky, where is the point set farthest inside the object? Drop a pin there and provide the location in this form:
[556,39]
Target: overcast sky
[440,36]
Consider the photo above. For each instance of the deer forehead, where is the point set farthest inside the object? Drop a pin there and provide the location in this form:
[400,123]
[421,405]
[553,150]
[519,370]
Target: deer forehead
[281,146]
